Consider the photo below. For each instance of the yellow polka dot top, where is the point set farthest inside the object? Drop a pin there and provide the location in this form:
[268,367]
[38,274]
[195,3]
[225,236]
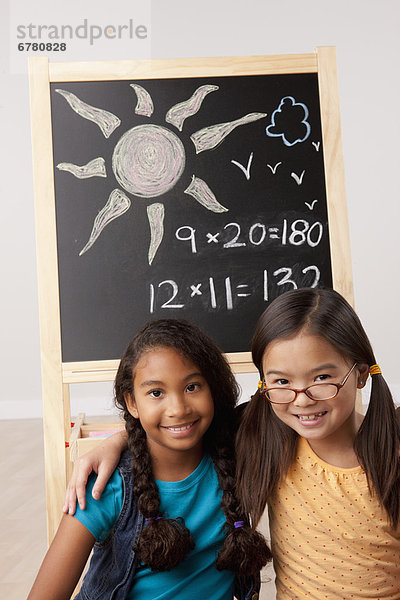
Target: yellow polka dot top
[330,538]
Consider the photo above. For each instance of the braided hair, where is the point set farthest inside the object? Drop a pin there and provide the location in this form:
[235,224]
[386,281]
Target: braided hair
[165,542]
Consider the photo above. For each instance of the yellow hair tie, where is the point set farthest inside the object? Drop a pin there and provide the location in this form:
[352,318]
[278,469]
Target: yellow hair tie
[260,384]
[375,370]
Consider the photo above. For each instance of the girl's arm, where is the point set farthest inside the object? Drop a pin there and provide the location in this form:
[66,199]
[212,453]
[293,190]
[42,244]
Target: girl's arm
[103,459]
[64,562]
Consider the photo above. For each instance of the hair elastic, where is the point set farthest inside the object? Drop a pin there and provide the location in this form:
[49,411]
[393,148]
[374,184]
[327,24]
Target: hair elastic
[375,370]
[151,519]
[238,524]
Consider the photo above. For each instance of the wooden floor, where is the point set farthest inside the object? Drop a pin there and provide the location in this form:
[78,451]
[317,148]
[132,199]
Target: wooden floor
[22,506]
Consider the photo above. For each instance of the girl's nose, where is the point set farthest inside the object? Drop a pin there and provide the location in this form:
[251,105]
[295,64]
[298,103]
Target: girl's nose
[303,400]
[177,405]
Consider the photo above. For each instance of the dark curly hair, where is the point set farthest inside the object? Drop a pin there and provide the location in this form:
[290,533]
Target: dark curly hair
[164,543]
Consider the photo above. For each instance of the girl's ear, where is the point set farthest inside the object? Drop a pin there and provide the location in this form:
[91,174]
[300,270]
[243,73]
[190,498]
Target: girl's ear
[131,405]
[362,376]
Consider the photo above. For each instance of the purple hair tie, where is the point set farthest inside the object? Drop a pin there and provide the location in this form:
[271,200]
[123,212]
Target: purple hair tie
[238,524]
[151,519]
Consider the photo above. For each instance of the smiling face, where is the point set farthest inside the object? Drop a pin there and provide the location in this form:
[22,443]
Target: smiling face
[173,401]
[308,360]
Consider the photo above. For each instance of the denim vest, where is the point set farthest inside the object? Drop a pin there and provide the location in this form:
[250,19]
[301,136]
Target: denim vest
[113,563]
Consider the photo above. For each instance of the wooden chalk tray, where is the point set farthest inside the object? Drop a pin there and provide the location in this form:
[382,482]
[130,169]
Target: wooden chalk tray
[85,436]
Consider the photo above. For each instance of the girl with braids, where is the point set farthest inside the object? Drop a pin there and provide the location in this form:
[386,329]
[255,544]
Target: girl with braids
[168,525]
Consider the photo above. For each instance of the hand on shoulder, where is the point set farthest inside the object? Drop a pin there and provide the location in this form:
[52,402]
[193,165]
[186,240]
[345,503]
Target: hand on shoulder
[103,460]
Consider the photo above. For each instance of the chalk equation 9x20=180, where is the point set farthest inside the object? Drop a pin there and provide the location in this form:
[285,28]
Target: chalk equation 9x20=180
[232,235]
[227,293]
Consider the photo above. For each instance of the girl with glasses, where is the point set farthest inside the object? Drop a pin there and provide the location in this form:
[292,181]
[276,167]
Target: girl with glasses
[329,476]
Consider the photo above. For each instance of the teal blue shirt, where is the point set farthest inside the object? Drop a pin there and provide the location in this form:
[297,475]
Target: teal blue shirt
[198,500]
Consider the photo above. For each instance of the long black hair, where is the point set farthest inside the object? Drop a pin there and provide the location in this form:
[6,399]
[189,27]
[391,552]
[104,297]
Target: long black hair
[266,446]
[164,543]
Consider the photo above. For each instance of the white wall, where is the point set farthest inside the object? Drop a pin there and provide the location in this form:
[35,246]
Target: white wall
[365,33]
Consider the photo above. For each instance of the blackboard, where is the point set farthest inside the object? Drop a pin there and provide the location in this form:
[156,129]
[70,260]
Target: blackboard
[218,269]
[285,223]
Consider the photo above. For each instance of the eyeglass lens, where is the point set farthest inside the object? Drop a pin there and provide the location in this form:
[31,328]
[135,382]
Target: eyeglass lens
[322,391]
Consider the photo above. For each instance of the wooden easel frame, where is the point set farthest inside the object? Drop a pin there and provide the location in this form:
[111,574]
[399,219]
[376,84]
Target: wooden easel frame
[56,375]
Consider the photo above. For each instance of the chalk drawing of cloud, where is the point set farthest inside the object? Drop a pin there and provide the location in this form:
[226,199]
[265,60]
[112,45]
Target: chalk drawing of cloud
[289,121]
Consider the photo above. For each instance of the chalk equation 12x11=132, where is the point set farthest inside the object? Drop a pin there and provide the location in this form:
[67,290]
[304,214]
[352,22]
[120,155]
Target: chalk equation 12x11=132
[225,292]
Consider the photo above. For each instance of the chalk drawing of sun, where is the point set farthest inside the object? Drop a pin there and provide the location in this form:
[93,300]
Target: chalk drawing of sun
[149,159]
